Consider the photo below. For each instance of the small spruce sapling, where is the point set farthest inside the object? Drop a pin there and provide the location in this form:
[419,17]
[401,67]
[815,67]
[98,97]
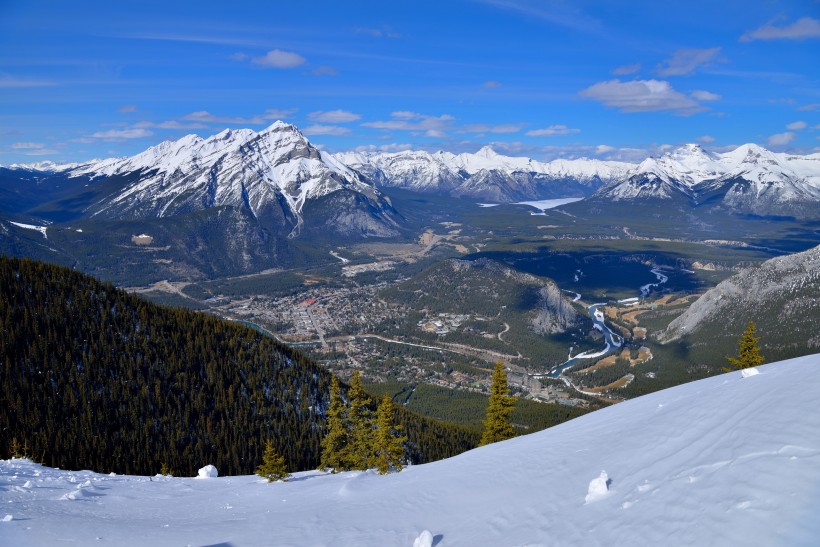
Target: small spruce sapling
[748,353]
[273,465]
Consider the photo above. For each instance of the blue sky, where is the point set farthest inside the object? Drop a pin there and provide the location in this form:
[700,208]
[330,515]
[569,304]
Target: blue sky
[546,79]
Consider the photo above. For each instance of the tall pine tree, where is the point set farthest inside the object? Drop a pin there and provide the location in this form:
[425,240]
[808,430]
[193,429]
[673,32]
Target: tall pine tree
[388,447]
[360,447]
[497,426]
[335,441]
[748,353]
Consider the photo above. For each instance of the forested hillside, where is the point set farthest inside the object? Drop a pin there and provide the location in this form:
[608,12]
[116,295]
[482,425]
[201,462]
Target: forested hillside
[93,377]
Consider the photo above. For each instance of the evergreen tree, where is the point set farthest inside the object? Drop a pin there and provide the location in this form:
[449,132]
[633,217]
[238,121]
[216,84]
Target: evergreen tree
[273,465]
[335,441]
[360,447]
[497,426]
[748,354]
[388,447]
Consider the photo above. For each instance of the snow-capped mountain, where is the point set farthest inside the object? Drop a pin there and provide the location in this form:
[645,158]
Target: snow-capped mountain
[729,460]
[484,175]
[749,179]
[272,174]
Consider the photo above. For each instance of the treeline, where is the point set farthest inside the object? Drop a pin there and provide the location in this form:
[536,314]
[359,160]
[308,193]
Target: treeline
[93,377]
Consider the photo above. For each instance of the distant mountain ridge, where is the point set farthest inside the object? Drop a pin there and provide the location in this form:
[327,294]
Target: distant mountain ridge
[749,179]
[484,175]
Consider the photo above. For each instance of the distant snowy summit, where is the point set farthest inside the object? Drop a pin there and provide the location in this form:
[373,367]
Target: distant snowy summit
[749,179]
[271,174]
[485,175]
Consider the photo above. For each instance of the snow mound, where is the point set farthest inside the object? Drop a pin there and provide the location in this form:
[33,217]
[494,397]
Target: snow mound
[9,518]
[598,488]
[425,539]
[208,472]
[746,372]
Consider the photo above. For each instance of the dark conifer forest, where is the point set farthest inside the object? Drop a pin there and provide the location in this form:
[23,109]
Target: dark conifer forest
[93,377]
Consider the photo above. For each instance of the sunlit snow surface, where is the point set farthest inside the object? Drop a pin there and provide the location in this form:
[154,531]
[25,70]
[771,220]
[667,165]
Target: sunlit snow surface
[730,460]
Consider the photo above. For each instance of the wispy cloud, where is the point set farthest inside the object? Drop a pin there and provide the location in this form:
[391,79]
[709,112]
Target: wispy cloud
[325,71]
[431,126]
[27,145]
[626,69]
[642,96]
[491,84]
[686,61]
[319,129]
[127,108]
[781,139]
[557,12]
[271,114]
[384,32]
[486,128]
[802,29]
[122,134]
[333,116]
[170,124]
[552,131]
[705,96]
[706,139]
[277,58]
[9,81]
[604,149]
[809,107]
[797,126]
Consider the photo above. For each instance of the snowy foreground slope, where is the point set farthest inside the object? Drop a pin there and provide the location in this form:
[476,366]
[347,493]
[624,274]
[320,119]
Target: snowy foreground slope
[729,460]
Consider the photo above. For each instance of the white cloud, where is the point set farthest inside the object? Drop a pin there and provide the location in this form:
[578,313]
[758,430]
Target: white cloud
[491,84]
[604,149]
[552,130]
[385,32]
[271,114]
[8,81]
[435,133]
[686,61]
[127,108]
[122,134]
[781,139]
[318,129]
[706,139]
[27,145]
[333,116]
[413,121]
[806,27]
[485,128]
[626,69]
[641,96]
[797,126]
[325,70]
[809,107]
[276,58]
[705,96]
[170,124]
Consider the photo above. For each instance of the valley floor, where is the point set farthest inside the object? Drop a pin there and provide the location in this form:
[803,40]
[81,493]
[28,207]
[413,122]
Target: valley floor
[729,460]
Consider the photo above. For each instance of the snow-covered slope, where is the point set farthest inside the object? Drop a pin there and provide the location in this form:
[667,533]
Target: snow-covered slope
[272,174]
[748,179]
[730,460]
[484,175]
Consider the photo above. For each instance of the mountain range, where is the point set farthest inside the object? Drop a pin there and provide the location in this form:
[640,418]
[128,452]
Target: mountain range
[748,179]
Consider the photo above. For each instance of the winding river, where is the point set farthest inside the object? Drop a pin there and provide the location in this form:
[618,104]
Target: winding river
[611,339]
